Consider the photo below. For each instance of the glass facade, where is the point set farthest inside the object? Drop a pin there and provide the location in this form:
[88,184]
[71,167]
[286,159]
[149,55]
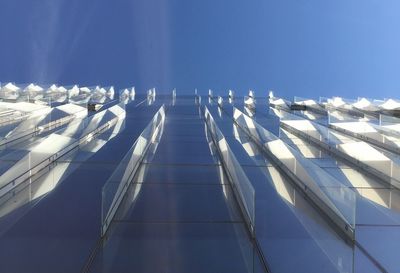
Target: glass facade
[92,181]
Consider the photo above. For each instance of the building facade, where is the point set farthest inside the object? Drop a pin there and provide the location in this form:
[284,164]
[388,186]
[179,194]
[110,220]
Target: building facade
[96,182]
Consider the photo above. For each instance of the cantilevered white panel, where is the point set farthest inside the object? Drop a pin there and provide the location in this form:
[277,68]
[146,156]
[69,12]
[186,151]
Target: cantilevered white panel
[56,89]
[33,88]
[278,102]
[133,92]
[243,189]
[365,104]
[116,186]
[74,91]
[231,94]
[22,106]
[58,144]
[377,135]
[85,90]
[335,199]
[390,104]
[307,102]
[72,109]
[111,92]
[337,102]
[41,121]
[362,153]
[10,87]
[47,179]
[39,154]
[362,129]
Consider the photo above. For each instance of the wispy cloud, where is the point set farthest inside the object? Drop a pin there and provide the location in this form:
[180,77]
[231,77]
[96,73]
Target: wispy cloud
[55,31]
[45,20]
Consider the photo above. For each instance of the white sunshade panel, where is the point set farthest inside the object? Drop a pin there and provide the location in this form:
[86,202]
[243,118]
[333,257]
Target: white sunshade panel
[10,87]
[33,128]
[310,103]
[390,104]
[111,92]
[341,114]
[84,90]
[54,146]
[365,104]
[55,94]
[9,92]
[74,91]
[22,106]
[284,189]
[370,131]
[250,103]
[33,88]
[343,109]
[371,109]
[312,116]
[392,128]
[8,116]
[339,198]
[383,199]
[73,109]
[116,186]
[307,102]
[278,102]
[306,150]
[368,188]
[386,163]
[238,176]
[84,126]
[47,182]
[361,128]
[336,102]
[126,95]
[364,185]
[20,171]
[81,98]
[290,195]
[41,121]
[24,126]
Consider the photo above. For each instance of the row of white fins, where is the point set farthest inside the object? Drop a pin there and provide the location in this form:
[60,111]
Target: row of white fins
[360,103]
[338,102]
[31,89]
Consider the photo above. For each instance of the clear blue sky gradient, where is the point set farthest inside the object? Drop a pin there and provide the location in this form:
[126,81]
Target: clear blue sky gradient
[308,48]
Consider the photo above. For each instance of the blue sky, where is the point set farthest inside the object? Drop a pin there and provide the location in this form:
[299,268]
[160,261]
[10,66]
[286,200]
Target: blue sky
[308,48]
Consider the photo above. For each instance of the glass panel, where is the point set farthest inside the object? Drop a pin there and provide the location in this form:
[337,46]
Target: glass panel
[180,203]
[180,247]
[115,188]
[335,199]
[34,172]
[44,153]
[127,95]
[240,183]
